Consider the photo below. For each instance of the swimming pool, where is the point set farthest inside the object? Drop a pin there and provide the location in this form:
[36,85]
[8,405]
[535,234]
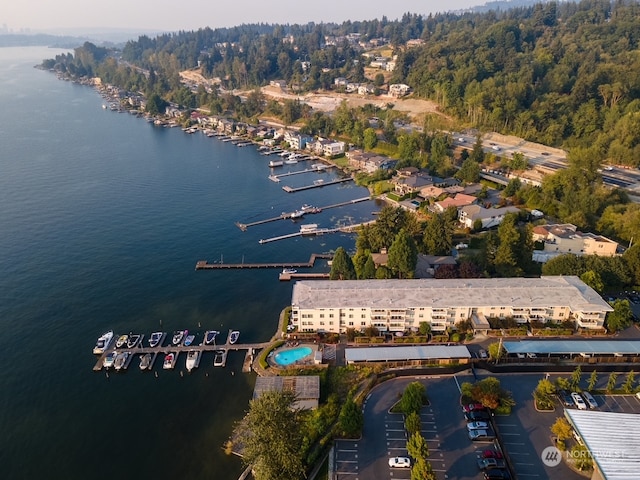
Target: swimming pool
[288,357]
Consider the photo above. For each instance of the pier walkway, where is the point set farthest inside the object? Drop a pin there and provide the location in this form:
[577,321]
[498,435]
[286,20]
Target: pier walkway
[289,189]
[204,265]
[286,216]
[276,178]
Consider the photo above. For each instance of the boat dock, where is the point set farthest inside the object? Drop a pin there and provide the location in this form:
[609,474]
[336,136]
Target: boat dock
[286,216]
[289,189]
[248,361]
[276,178]
[203,265]
[164,350]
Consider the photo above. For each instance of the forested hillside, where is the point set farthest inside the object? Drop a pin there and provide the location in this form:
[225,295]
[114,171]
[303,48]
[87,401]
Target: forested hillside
[557,73]
[563,74]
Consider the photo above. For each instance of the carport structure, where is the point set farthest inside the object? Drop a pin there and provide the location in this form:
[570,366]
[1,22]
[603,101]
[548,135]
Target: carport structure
[612,441]
[409,355]
[616,350]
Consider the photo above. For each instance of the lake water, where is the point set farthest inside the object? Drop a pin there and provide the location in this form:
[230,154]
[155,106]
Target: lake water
[102,219]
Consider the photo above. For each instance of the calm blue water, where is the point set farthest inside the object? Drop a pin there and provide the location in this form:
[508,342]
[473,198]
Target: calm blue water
[291,356]
[102,219]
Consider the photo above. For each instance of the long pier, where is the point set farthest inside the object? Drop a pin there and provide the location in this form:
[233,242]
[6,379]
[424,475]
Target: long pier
[276,178]
[286,216]
[204,265]
[289,189]
[177,350]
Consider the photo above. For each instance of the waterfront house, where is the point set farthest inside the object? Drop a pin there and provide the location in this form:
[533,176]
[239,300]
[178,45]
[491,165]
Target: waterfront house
[490,217]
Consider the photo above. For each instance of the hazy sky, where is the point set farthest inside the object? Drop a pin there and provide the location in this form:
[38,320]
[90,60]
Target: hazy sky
[172,15]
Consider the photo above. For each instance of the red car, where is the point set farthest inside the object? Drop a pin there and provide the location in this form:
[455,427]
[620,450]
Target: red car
[489,453]
[473,407]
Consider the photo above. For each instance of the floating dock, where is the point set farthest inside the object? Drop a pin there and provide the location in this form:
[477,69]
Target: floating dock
[285,277]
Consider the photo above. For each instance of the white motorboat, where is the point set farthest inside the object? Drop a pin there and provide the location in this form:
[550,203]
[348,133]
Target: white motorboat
[193,359]
[109,359]
[133,340]
[178,335]
[233,336]
[121,360]
[210,336]
[169,361]
[122,341]
[289,271]
[155,339]
[103,343]
[145,361]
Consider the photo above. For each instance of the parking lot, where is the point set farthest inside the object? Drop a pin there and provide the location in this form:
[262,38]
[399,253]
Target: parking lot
[524,434]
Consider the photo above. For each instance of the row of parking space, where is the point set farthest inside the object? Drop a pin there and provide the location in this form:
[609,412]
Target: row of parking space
[618,403]
[396,437]
[522,456]
[346,460]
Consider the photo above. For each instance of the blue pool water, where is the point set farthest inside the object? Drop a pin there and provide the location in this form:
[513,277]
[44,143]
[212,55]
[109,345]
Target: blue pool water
[291,356]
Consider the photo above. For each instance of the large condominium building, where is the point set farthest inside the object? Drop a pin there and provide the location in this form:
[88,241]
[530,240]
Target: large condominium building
[400,305]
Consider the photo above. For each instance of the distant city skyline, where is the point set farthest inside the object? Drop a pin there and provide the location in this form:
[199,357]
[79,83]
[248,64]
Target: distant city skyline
[74,16]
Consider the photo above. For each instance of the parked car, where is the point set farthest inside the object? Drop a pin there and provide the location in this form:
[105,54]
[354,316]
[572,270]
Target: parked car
[482,353]
[579,401]
[476,415]
[490,453]
[399,462]
[565,398]
[473,407]
[590,400]
[489,463]
[481,435]
[477,426]
[497,474]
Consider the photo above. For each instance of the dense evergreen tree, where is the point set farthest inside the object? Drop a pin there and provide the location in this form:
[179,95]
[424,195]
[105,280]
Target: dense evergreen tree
[341,266]
[403,255]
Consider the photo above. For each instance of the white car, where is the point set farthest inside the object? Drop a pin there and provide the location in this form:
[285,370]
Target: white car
[579,401]
[590,400]
[477,425]
[399,462]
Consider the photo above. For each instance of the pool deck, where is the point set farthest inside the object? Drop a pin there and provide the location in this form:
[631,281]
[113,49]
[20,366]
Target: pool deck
[307,360]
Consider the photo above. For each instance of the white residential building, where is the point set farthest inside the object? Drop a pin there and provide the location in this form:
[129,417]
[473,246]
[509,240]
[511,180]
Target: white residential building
[333,148]
[400,305]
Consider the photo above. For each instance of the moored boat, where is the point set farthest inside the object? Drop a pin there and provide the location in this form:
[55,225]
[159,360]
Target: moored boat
[109,359]
[169,361]
[218,360]
[193,358]
[103,342]
[178,335]
[155,339]
[133,340]
[121,360]
[145,361]
[289,271]
[210,336]
[122,340]
[276,163]
[308,228]
[233,336]
[189,340]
